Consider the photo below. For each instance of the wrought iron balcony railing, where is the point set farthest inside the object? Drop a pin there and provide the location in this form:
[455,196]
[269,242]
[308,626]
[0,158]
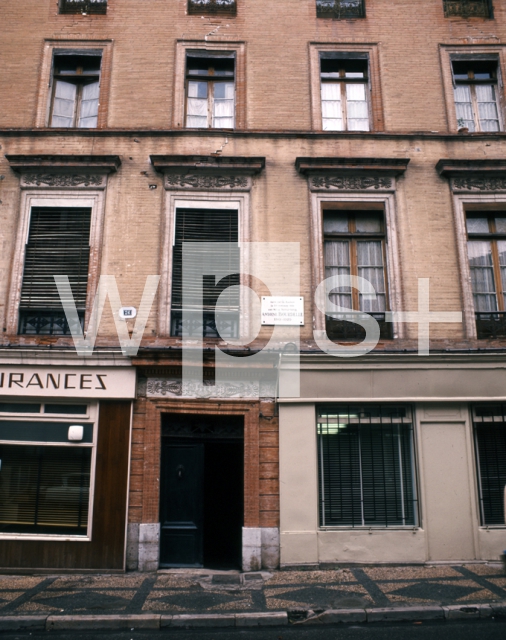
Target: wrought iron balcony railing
[227,7]
[205,324]
[83,6]
[343,326]
[338,9]
[46,322]
[468,8]
[491,324]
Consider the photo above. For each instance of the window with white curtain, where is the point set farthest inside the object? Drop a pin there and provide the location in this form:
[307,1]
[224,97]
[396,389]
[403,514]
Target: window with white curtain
[75,90]
[344,93]
[210,90]
[487,259]
[354,245]
[476,95]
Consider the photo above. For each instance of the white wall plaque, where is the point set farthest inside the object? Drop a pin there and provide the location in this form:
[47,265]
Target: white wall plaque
[127,313]
[287,310]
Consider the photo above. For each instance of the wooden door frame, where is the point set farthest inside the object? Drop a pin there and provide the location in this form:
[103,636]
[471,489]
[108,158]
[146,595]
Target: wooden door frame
[153,442]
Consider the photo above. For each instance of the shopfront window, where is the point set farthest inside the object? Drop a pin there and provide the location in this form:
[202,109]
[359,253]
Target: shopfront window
[366,466]
[46,466]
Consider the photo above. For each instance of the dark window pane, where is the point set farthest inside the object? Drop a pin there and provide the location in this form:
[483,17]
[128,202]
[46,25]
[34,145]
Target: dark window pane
[19,407]
[69,409]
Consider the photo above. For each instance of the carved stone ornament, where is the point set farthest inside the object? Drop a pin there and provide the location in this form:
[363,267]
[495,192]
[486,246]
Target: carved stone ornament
[207,182]
[351,183]
[63,180]
[171,388]
[479,184]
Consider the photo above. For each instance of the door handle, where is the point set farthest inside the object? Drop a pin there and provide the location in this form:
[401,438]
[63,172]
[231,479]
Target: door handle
[180,471]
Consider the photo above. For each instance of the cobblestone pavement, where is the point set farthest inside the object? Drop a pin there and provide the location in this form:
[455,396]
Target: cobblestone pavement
[202,591]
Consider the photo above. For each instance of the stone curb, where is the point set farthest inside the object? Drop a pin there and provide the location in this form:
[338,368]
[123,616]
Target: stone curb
[272,618]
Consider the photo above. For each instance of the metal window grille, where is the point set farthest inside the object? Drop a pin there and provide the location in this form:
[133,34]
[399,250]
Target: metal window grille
[338,9]
[227,7]
[83,6]
[468,8]
[45,489]
[58,244]
[490,447]
[366,467]
[207,226]
[491,324]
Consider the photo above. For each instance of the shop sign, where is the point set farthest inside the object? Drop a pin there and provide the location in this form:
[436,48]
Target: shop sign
[68,382]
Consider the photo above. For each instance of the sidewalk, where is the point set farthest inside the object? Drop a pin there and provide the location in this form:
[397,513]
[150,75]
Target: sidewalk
[189,598]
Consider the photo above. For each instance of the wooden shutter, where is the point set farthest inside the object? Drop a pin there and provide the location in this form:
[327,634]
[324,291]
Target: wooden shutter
[194,225]
[365,467]
[58,244]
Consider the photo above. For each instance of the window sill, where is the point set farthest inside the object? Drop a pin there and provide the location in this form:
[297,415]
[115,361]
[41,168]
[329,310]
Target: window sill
[43,537]
[367,529]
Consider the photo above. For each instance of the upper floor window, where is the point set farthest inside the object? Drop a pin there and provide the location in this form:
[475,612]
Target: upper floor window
[228,7]
[354,245]
[210,90]
[487,262]
[75,90]
[206,227]
[476,95]
[468,8]
[344,92]
[83,6]
[58,244]
[340,9]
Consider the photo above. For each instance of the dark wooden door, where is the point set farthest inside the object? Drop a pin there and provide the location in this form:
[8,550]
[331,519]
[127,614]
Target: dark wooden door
[181,505]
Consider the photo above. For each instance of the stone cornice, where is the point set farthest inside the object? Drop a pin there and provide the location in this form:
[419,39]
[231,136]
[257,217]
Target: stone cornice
[193,163]
[208,173]
[379,167]
[67,163]
[351,174]
[63,172]
[482,175]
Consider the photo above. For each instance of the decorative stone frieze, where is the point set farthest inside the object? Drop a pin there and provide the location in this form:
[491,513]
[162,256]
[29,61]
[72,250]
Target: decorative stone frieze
[474,176]
[176,388]
[351,174]
[352,183]
[62,180]
[209,182]
[208,173]
[64,172]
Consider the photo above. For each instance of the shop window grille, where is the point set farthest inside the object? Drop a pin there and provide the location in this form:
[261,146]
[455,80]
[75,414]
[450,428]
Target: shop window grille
[223,7]
[339,9]
[83,6]
[366,466]
[468,8]
[58,244]
[490,447]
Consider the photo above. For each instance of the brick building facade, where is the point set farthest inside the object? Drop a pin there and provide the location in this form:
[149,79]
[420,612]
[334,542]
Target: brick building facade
[370,133]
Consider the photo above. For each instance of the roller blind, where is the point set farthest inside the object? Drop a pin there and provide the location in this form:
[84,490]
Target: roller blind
[207,226]
[58,244]
[44,489]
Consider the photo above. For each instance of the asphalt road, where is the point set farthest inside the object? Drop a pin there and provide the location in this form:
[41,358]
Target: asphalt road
[472,630]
